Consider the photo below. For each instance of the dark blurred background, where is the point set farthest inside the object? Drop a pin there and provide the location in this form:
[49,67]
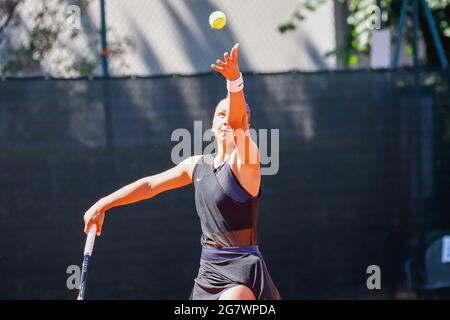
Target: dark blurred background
[363,179]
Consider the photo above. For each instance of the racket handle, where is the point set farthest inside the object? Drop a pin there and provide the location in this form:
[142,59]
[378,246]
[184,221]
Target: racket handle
[89,246]
[83,280]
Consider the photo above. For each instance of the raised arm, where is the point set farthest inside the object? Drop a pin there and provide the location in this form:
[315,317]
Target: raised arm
[245,161]
[142,189]
[229,68]
[247,153]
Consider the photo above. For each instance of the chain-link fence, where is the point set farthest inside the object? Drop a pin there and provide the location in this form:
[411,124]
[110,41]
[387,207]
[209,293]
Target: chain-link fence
[62,38]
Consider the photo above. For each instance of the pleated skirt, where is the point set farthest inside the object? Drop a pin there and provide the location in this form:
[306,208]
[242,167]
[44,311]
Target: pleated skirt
[224,268]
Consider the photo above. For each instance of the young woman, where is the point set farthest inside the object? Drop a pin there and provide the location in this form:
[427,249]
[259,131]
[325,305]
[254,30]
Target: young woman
[227,191]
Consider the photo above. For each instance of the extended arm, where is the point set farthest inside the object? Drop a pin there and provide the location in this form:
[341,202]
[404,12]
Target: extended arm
[139,190]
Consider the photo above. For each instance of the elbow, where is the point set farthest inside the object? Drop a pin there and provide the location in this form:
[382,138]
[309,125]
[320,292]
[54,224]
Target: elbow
[234,124]
[237,121]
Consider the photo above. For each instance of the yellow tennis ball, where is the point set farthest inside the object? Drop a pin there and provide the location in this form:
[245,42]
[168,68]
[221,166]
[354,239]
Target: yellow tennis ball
[217,20]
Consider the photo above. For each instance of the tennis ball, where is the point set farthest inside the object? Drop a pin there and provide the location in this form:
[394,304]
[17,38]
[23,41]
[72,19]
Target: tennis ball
[217,20]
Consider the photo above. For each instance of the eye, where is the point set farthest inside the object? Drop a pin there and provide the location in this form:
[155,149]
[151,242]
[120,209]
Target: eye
[221,114]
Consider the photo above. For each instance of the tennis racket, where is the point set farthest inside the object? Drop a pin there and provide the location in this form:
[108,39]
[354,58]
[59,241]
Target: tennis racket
[89,246]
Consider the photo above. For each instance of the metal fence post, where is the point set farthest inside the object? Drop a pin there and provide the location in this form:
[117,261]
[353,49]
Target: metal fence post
[105,51]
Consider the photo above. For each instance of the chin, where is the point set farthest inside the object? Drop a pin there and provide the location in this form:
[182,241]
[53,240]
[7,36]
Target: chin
[228,139]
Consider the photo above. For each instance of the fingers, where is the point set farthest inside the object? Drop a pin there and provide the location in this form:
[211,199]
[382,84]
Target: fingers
[220,63]
[96,220]
[230,63]
[217,68]
[100,224]
[87,226]
[235,51]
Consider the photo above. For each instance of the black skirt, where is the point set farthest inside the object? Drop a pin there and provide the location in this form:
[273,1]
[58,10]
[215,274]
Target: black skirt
[224,268]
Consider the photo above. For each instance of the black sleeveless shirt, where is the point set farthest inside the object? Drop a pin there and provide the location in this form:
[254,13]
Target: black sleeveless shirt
[228,213]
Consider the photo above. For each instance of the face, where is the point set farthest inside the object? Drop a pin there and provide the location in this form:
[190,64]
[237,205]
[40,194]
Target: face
[221,129]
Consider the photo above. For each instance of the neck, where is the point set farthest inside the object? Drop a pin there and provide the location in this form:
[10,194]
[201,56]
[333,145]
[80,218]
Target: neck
[223,152]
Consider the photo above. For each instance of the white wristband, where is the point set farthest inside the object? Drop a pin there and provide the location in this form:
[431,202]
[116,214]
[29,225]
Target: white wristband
[236,85]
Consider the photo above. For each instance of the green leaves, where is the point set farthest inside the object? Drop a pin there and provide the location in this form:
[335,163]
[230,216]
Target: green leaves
[361,18]
[298,14]
[286,27]
[49,44]
[352,60]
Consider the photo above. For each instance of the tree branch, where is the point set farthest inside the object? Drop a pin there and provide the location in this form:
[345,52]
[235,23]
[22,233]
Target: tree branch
[10,9]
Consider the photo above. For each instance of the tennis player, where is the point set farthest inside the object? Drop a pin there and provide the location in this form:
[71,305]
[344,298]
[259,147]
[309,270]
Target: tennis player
[227,192]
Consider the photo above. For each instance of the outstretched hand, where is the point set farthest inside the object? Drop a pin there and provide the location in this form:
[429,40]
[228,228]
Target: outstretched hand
[229,68]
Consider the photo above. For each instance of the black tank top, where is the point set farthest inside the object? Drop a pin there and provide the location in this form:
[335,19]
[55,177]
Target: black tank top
[228,213]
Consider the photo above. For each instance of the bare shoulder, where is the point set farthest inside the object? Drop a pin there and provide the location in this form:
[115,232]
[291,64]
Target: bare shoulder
[189,164]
